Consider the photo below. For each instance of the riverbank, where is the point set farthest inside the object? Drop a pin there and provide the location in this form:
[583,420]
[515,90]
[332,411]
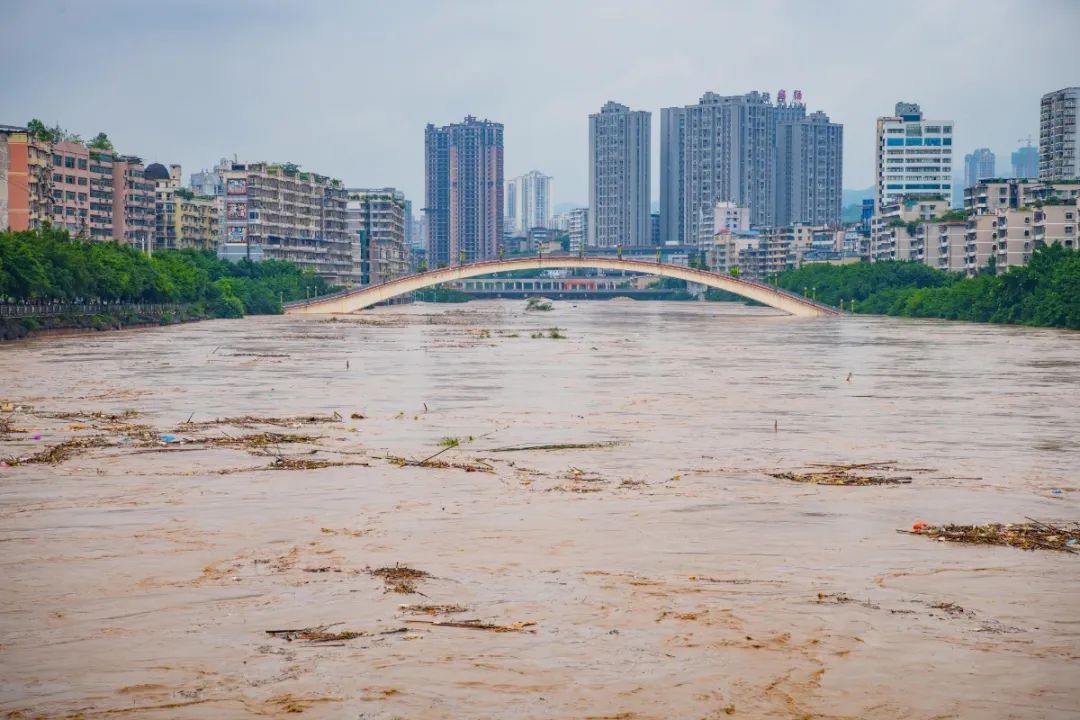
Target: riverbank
[19,328]
[1043,293]
[502,521]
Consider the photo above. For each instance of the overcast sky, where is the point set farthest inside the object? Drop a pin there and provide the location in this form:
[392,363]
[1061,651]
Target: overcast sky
[345,88]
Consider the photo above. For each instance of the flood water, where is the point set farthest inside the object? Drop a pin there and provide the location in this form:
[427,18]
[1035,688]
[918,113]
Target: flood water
[667,575]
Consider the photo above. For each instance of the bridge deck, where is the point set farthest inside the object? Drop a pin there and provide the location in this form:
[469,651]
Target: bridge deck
[357,298]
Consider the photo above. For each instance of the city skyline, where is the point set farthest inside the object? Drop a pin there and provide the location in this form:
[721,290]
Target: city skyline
[285,117]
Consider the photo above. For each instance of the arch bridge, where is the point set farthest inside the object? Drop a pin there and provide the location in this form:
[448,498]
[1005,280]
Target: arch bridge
[358,298]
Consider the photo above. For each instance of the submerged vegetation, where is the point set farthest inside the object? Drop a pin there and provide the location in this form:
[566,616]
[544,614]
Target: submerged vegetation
[441,294]
[1045,292]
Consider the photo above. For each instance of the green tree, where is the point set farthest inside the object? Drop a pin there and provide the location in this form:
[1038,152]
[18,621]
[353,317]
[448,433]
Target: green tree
[101,142]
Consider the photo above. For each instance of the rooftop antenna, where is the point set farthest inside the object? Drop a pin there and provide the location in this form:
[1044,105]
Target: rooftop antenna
[781,97]
[798,97]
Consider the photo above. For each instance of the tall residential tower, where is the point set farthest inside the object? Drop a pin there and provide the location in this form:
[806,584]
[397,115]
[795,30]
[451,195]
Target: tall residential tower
[979,165]
[464,191]
[528,201]
[744,149]
[619,183]
[1059,134]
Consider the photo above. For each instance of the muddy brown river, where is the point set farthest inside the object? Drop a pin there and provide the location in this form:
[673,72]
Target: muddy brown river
[660,572]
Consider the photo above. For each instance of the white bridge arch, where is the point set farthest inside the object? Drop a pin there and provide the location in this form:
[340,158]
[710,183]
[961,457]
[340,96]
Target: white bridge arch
[358,298]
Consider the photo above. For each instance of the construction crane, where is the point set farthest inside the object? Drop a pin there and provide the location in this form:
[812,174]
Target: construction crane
[1028,140]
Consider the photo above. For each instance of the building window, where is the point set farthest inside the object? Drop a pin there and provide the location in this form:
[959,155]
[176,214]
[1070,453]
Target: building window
[82,164]
[84,181]
[69,162]
[57,177]
[56,160]
[69,195]
[69,179]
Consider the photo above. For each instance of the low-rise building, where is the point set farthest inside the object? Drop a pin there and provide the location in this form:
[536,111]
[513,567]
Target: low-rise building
[133,204]
[723,255]
[996,194]
[894,228]
[71,195]
[25,179]
[292,215]
[577,227]
[941,244]
[1057,223]
[730,216]
[376,219]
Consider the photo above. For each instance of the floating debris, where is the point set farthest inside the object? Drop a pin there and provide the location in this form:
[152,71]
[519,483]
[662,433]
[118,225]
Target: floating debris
[256,440]
[322,634]
[90,416]
[1027,536]
[478,625]
[434,609]
[56,454]
[7,425]
[291,463]
[844,475]
[559,446]
[399,578]
[344,531]
[253,420]
[477,466]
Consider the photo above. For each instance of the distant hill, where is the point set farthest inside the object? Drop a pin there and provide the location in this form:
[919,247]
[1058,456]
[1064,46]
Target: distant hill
[855,197]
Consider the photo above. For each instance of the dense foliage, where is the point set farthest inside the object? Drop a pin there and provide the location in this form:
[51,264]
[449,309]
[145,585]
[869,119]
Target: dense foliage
[440,294]
[1045,292]
[858,281]
[49,265]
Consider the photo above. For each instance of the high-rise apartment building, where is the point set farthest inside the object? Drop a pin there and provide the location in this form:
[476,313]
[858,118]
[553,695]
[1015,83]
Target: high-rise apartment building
[528,202]
[771,158]
[290,215]
[377,219]
[1025,162]
[619,182]
[719,149]
[25,179]
[464,191]
[809,170]
[1059,135]
[979,165]
[913,156]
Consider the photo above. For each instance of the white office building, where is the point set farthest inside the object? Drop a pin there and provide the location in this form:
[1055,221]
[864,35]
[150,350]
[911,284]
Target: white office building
[914,156]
